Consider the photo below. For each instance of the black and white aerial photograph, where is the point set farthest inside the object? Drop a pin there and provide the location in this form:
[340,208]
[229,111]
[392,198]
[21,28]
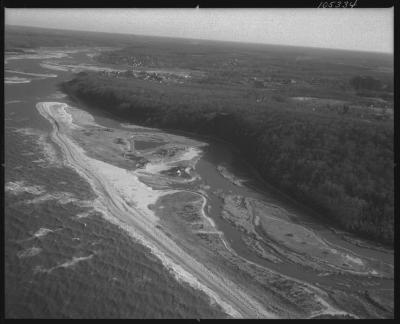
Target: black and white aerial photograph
[165,163]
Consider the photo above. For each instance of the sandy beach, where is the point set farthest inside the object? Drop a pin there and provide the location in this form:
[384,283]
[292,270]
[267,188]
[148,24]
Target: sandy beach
[172,221]
[114,185]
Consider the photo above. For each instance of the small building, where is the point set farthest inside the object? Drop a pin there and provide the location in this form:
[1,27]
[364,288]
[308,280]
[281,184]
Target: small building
[131,141]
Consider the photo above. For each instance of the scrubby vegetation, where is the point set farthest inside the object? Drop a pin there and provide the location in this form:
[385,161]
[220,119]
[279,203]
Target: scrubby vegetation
[340,165]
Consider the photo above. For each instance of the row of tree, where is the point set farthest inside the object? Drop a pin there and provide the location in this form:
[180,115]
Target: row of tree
[365,82]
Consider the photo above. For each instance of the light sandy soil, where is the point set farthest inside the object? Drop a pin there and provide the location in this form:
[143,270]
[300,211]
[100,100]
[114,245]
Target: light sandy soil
[309,248]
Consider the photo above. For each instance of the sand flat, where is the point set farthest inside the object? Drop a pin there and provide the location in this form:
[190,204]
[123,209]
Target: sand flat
[104,180]
[198,255]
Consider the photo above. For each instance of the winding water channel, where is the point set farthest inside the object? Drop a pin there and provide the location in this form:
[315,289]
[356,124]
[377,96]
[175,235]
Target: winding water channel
[251,249]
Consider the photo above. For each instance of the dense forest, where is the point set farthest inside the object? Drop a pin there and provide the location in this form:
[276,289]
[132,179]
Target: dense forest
[340,165]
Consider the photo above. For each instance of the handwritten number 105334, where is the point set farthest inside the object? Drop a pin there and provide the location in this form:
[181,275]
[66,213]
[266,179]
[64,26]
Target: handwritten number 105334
[337,4]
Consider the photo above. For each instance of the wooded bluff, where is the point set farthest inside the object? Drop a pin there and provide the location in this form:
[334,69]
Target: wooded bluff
[339,165]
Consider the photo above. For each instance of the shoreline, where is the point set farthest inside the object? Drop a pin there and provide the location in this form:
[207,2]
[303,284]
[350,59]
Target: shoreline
[303,201]
[111,183]
[183,232]
[116,206]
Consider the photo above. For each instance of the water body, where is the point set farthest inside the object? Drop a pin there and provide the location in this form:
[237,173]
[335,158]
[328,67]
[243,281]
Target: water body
[85,267]
[65,257]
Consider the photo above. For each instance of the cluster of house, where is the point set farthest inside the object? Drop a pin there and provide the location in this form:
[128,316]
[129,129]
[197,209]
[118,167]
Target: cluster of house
[146,75]
[135,63]
[268,81]
[232,62]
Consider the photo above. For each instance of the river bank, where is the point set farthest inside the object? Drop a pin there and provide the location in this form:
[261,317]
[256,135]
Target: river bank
[199,241]
[180,198]
[313,167]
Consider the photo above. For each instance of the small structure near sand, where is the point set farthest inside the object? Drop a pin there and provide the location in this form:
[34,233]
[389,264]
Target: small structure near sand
[131,141]
[131,152]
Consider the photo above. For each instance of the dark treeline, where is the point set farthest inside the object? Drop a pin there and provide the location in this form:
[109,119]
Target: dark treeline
[340,166]
[362,82]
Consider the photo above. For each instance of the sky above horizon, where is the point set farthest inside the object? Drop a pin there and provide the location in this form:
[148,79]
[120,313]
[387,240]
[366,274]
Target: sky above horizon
[351,29]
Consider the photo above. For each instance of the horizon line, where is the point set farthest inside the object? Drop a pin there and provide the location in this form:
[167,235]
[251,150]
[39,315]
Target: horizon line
[203,39]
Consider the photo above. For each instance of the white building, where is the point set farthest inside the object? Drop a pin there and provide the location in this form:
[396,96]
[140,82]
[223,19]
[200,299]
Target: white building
[131,144]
